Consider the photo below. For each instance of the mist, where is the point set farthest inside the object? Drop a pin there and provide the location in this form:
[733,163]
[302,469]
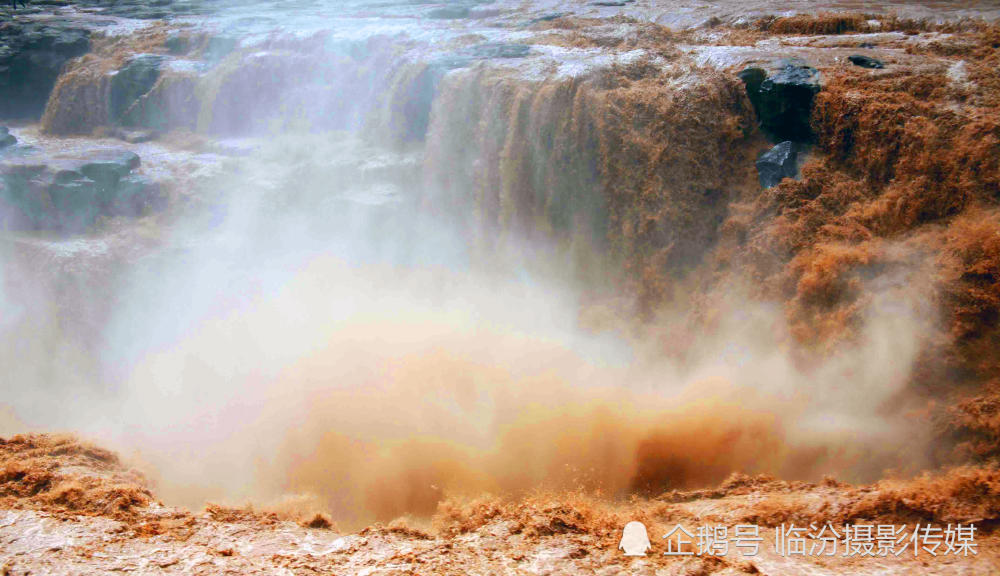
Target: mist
[313,328]
[364,360]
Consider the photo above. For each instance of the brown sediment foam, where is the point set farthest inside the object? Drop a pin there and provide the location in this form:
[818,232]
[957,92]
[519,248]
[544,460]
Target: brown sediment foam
[826,23]
[644,157]
[649,159]
[454,422]
[904,184]
[900,191]
[962,494]
[959,495]
[61,473]
[399,410]
[538,434]
[971,263]
[226,94]
[80,101]
[577,32]
[574,531]
[833,23]
[668,158]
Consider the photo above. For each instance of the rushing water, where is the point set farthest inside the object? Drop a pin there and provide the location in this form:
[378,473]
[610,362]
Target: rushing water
[311,277]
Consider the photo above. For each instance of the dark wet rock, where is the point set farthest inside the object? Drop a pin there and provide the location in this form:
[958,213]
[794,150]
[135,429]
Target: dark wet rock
[414,106]
[493,50]
[778,163]
[486,51]
[136,195]
[784,100]
[22,206]
[130,83]
[178,43]
[75,205]
[753,77]
[144,13]
[149,10]
[172,103]
[69,194]
[866,61]
[548,17]
[32,56]
[6,138]
[108,165]
[453,62]
[866,45]
[449,13]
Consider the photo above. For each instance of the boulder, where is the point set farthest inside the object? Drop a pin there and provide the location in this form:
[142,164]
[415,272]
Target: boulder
[453,62]
[136,195]
[69,194]
[548,17]
[449,13]
[752,78]
[75,203]
[866,61]
[177,43]
[784,100]
[493,50]
[129,84]
[6,138]
[32,56]
[22,205]
[777,164]
[472,54]
[108,163]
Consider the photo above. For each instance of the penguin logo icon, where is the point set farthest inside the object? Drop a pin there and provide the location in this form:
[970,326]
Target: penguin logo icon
[635,540]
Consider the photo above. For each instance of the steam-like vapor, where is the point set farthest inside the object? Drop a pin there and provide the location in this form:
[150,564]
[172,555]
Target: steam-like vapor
[379,391]
[288,351]
[309,333]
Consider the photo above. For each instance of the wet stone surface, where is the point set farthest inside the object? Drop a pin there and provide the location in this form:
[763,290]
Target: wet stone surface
[784,99]
[68,194]
[132,82]
[778,163]
[6,138]
[32,55]
[866,61]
